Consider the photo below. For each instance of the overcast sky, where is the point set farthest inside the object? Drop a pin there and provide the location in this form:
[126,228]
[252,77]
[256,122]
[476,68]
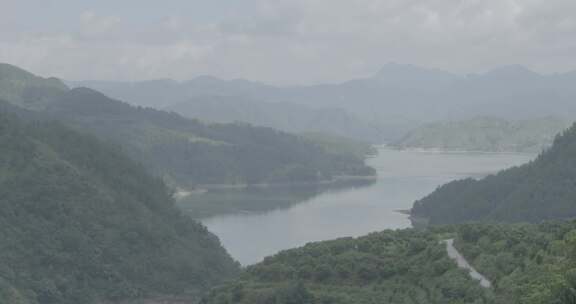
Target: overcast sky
[282,41]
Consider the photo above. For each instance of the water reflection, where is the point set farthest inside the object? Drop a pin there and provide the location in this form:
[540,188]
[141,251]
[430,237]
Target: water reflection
[259,200]
[272,219]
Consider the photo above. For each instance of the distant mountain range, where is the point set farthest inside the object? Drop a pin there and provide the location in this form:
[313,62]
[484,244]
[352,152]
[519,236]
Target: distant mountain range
[212,99]
[487,134]
[397,98]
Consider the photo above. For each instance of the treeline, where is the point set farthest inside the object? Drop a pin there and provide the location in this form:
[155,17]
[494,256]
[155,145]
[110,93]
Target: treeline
[82,223]
[542,189]
[184,151]
[528,264]
[400,267]
[193,152]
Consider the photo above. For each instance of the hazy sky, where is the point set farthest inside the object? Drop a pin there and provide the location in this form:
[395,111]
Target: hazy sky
[282,41]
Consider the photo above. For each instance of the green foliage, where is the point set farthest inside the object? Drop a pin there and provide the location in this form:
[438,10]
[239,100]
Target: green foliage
[485,134]
[405,266]
[341,145]
[27,90]
[542,189]
[528,264]
[80,222]
[191,152]
[184,151]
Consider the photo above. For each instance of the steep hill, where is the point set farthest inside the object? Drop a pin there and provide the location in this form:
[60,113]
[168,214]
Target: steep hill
[542,189]
[189,152]
[82,223]
[488,134]
[26,89]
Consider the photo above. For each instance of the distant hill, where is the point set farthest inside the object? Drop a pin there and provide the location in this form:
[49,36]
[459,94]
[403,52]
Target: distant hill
[216,100]
[82,223]
[288,117]
[26,89]
[540,190]
[487,134]
[190,152]
[395,99]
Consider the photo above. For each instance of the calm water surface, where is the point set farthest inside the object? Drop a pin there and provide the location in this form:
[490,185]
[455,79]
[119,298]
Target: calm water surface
[404,176]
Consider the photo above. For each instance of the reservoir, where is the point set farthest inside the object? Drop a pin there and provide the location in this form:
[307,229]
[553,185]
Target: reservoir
[265,221]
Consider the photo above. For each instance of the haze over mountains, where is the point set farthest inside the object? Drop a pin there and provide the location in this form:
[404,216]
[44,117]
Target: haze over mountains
[485,134]
[186,152]
[381,107]
[86,180]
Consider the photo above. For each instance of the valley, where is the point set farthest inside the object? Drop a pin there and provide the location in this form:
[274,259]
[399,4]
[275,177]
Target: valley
[254,223]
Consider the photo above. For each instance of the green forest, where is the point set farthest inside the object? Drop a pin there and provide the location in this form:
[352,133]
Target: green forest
[82,223]
[186,152]
[527,264]
[87,214]
[542,189]
[406,266]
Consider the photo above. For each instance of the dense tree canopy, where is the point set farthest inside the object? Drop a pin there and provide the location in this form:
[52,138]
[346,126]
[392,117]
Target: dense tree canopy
[542,189]
[526,263]
[80,222]
[184,151]
[401,267]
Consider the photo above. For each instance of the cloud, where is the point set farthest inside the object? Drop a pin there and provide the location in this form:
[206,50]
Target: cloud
[299,41]
[94,24]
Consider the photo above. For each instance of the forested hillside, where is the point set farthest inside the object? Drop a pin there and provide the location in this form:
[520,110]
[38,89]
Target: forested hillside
[217,100]
[527,264]
[401,267]
[487,134]
[26,89]
[542,189]
[189,152]
[82,223]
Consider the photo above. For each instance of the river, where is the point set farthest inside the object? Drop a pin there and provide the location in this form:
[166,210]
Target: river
[274,220]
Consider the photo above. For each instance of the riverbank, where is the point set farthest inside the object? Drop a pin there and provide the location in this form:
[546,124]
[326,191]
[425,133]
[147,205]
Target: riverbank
[458,151]
[257,222]
[182,193]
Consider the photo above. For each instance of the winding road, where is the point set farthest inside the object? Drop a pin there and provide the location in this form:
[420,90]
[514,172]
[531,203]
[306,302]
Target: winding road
[454,254]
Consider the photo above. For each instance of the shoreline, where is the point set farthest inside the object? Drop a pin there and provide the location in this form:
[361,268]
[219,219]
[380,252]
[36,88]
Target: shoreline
[182,193]
[444,151]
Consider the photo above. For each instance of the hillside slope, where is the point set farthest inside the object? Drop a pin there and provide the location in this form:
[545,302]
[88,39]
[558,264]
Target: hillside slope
[542,189]
[289,117]
[401,267]
[487,134]
[82,223]
[26,89]
[527,264]
[189,152]
[217,100]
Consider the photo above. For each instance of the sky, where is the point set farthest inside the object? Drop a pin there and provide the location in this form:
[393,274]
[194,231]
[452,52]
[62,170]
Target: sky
[282,41]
